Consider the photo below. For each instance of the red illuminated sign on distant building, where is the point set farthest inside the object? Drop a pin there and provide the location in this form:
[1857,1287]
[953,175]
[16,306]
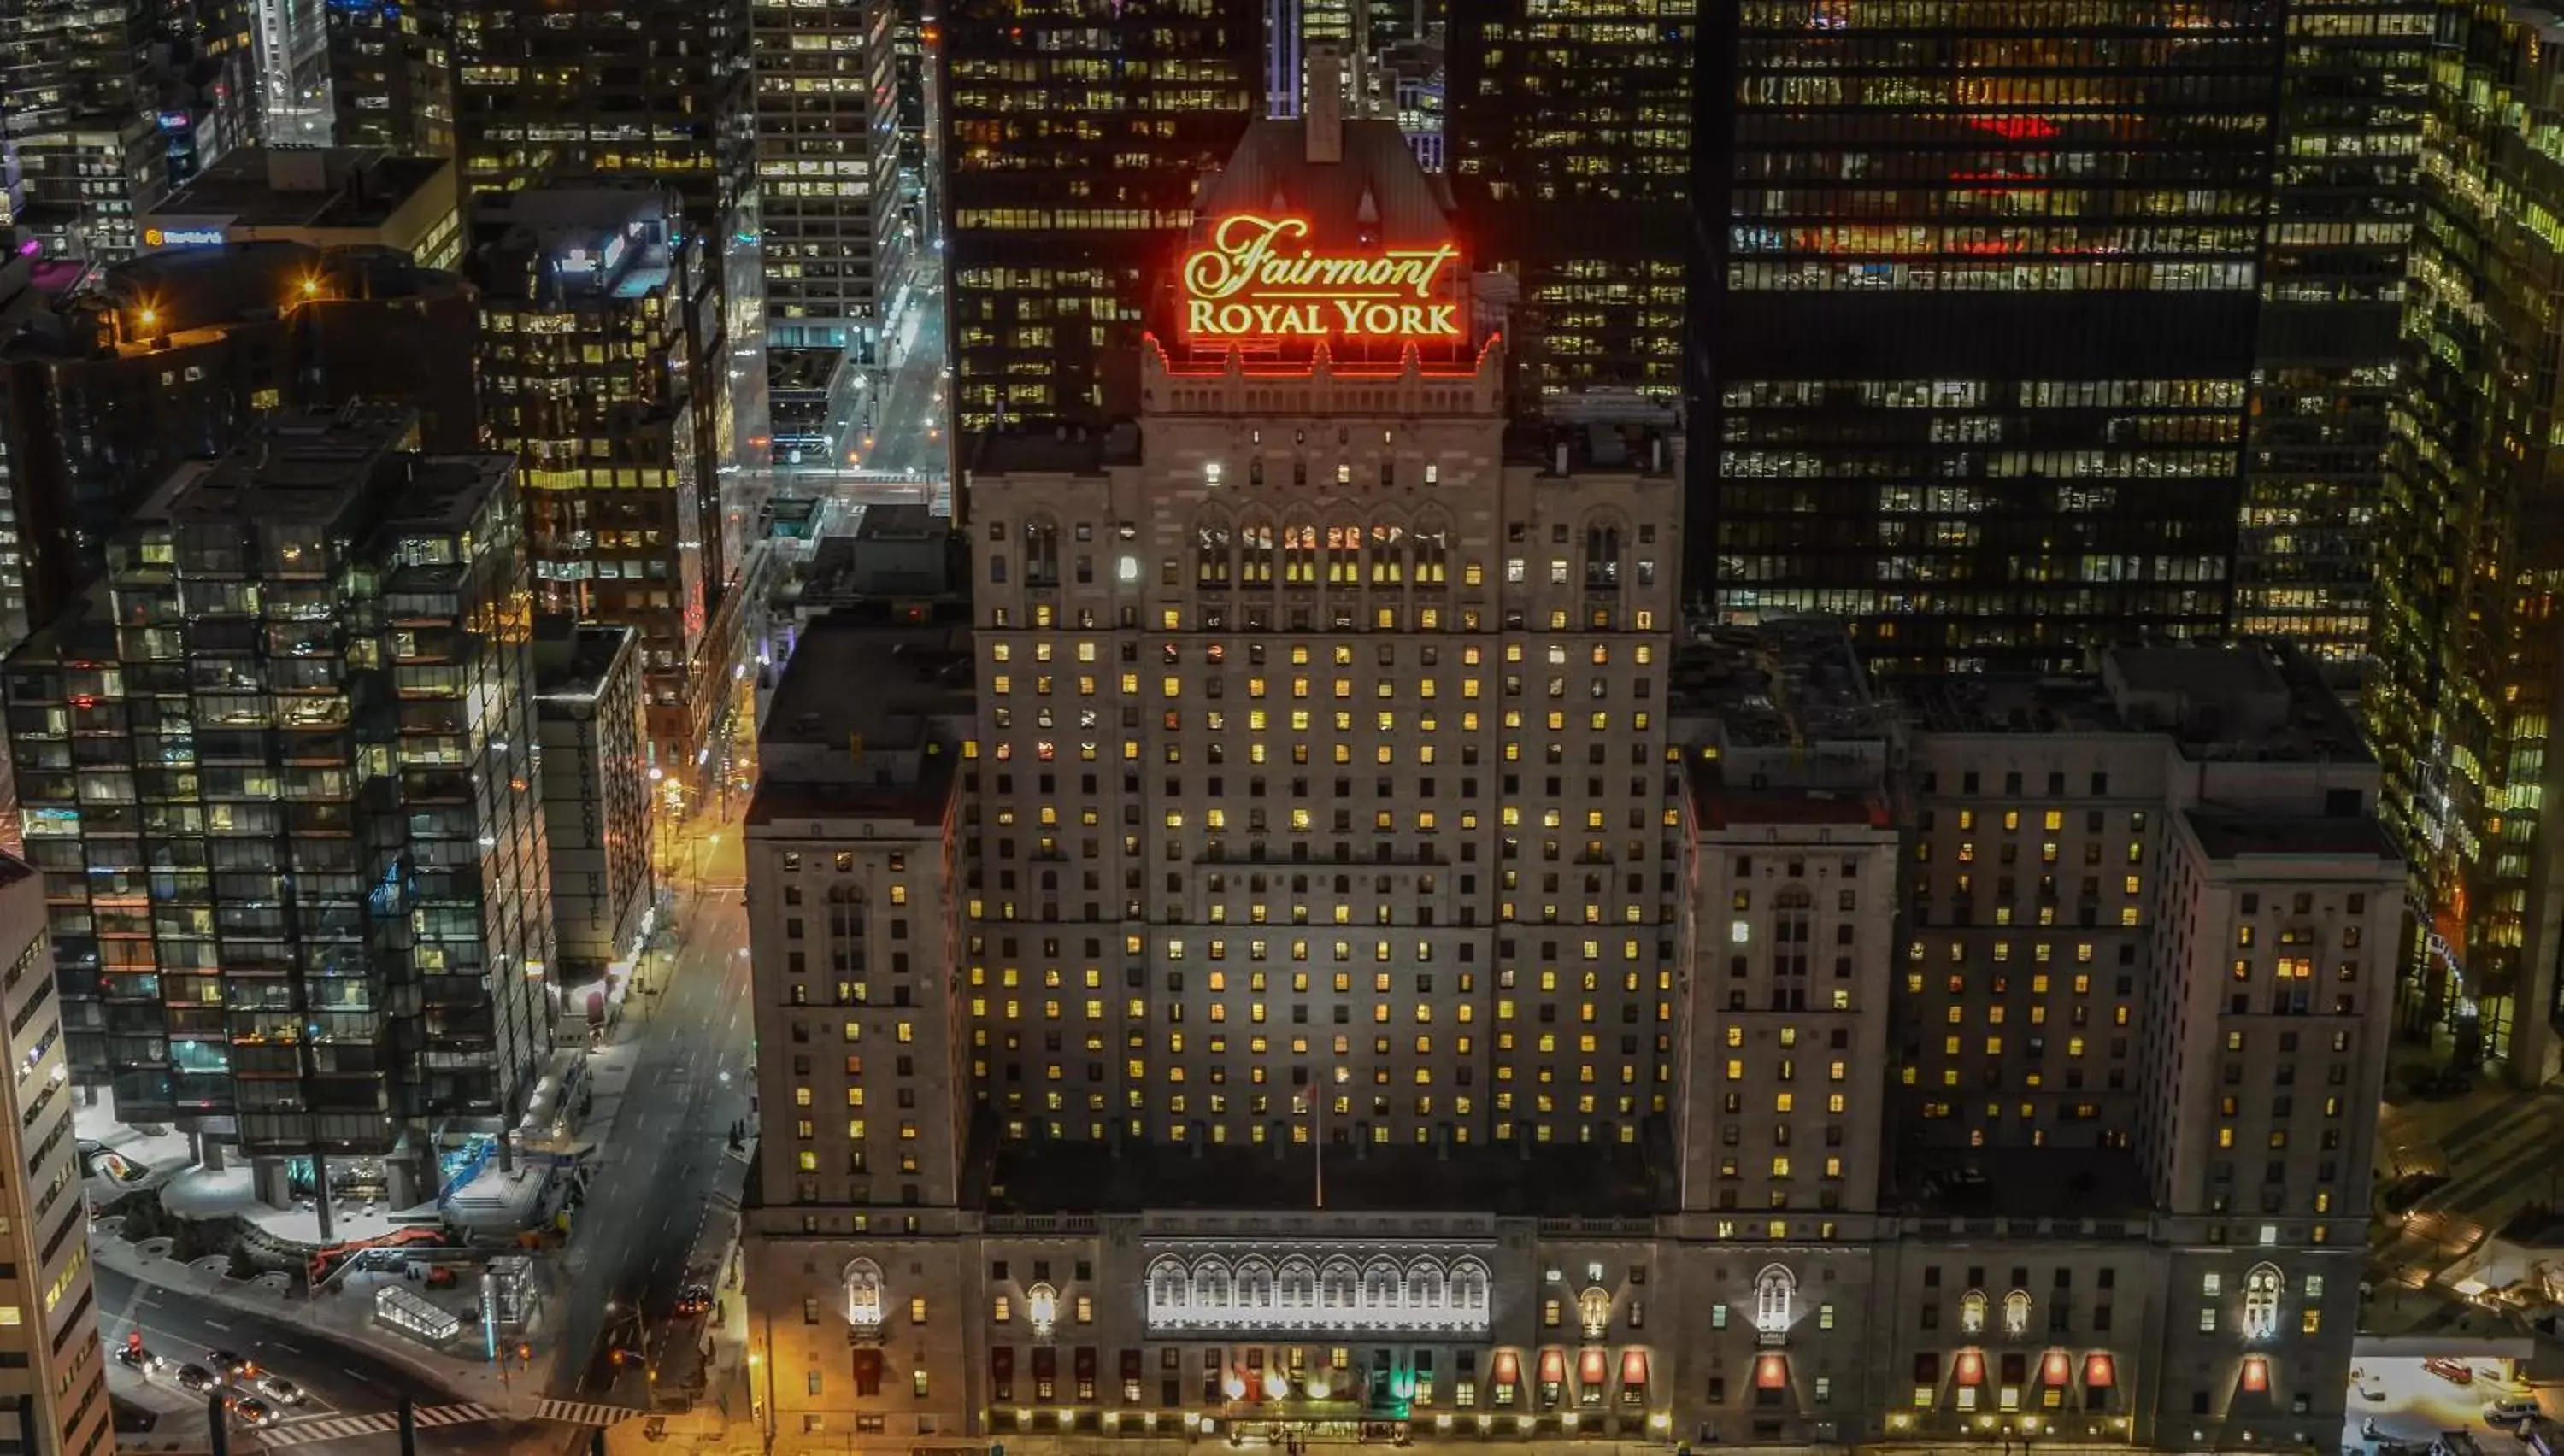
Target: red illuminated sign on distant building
[1257,280]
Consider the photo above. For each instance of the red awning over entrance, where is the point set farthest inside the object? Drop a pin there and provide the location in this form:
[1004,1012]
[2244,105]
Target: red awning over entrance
[1508,1367]
[1634,1368]
[1553,1366]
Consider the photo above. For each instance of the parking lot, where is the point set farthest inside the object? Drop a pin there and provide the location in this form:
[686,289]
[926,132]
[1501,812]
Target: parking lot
[2412,1405]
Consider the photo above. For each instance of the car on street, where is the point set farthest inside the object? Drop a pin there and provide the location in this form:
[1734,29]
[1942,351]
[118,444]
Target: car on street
[232,1365]
[2455,1372]
[2510,1412]
[280,1389]
[135,1355]
[196,1380]
[255,1411]
[694,1299]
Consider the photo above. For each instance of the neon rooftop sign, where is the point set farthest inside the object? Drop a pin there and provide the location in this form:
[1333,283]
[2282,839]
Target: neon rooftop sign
[1256,279]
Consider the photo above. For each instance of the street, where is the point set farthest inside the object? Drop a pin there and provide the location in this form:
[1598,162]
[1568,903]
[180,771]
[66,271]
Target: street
[630,1239]
[340,1377]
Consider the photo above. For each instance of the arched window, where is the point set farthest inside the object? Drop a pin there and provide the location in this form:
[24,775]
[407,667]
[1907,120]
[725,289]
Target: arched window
[1379,1286]
[1337,1282]
[1299,554]
[1601,556]
[1594,1310]
[2017,1311]
[1211,551]
[1041,552]
[1041,1309]
[1972,1311]
[1469,1287]
[1258,555]
[1774,1289]
[863,1280]
[1429,548]
[1170,1290]
[1254,1285]
[1211,1288]
[1344,553]
[1388,554]
[1424,1287]
[2262,1290]
[1298,1284]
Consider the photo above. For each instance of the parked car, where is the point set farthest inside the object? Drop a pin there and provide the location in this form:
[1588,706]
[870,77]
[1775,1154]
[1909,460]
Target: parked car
[2455,1372]
[280,1389]
[196,1380]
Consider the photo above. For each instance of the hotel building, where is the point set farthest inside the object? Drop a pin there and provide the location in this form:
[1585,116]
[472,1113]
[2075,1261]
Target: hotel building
[1336,962]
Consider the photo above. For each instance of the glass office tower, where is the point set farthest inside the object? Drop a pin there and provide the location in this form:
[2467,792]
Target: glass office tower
[278,775]
[1975,316]
[1570,133]
[1075,134]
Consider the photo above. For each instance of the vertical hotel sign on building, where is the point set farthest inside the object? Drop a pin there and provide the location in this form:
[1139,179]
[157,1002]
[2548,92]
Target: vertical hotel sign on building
[1258,280]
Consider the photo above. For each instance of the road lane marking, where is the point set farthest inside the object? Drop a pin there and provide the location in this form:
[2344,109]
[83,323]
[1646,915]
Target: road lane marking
[216,1324]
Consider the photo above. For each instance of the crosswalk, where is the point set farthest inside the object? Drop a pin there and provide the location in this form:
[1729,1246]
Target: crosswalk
[313,1428]
[584,1412]
[306,1430]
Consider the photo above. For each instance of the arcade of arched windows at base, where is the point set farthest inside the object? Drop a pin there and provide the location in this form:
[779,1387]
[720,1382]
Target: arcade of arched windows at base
[1348,1301]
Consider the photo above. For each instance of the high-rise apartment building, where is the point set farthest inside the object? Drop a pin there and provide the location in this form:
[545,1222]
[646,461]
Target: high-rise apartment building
[1569,148]
[292,54]
[827,165]
[52,1371]
[601,334]
[174,355]
[1397,986]
[2463,687]
[279,776]
[2077,418]
[1073,136]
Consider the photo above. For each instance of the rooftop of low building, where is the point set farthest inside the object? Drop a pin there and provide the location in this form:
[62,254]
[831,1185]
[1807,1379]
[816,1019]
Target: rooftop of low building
[854,676]
[349,187]
[572,658]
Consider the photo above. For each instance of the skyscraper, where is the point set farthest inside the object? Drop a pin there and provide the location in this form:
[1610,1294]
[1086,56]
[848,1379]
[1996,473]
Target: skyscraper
[317,924]
[827,162]
[2471,548]
[2328,363]
[1074,133]
[2016,331]
[1569,135]
[600,334]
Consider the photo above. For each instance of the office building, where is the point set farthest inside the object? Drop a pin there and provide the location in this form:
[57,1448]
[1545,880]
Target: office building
[2056,437]
[52,1370]
[827,166]
[1397,987]
[2462,685]
[1569,141]
[293,57]
[78,97]
[597,800]
[174,355]
[317,922]
[602,373]
[323,197]
[522,94]
[1064,198]
[2328,366]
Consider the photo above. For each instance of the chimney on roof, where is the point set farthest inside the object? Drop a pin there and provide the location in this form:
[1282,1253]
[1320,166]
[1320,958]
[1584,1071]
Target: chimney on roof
[1323,106]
